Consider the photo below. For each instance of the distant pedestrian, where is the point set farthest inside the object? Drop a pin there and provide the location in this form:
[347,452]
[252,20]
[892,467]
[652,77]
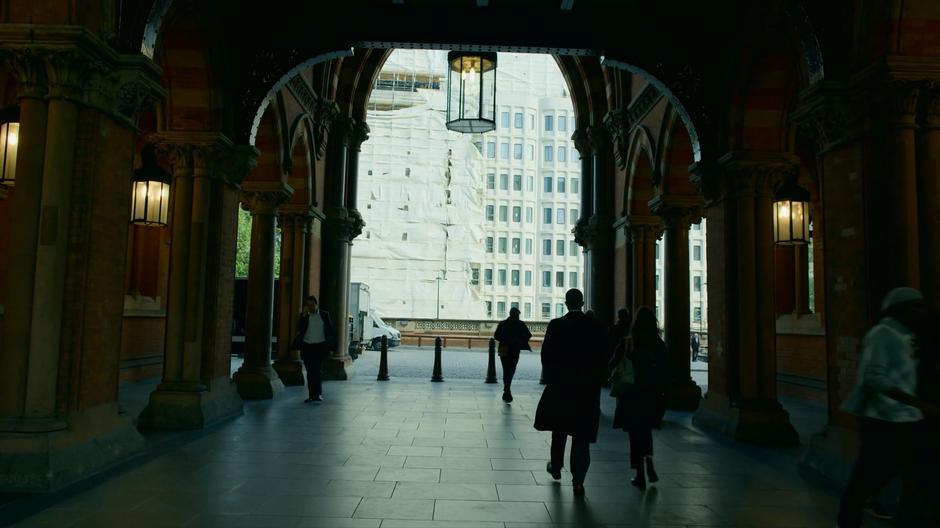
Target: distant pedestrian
[315,338]
[639,402]
[892,431]
[616,333]
[694,344]
[572,355]
[513,336]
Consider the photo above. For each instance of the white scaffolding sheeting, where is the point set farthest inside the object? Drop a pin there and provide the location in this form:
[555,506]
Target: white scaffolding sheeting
[420,194]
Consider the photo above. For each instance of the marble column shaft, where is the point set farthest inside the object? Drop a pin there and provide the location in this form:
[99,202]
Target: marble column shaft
[293,226]
[928,192]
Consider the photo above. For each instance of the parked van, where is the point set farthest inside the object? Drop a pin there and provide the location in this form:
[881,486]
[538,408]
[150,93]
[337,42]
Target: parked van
[366,326]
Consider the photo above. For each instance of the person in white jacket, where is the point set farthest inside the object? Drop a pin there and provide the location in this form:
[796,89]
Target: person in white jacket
[892,433]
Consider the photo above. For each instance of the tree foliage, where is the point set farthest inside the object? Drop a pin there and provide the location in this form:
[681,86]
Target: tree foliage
[243,245]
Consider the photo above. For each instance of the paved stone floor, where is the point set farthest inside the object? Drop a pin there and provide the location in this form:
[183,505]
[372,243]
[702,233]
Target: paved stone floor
[410,453]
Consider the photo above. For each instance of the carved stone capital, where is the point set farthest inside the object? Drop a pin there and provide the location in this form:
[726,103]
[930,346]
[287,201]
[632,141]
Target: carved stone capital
[582,142]
[359,133]
[263,198]
[200,154]
[28,67]
[619,129]
[678,212]
[830,114]
[754,173]
[74,75]
[294,218]
[346,226]
[591,232]
[930,104]
[645,232]
[895,101]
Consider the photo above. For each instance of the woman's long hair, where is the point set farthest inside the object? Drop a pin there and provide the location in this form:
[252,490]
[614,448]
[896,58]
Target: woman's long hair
[645,330]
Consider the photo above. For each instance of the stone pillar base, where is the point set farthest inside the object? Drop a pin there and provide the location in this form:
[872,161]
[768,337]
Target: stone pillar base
[291,371]
[768,425]
[258,383]
[338,368]
[88,442]
[683,397]
[175,410]
[830,455]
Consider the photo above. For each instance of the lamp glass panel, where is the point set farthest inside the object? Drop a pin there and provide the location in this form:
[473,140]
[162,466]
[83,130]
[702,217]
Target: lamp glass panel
[9,141]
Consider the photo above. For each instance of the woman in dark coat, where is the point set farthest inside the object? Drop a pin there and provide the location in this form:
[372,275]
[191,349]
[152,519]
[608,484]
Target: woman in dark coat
[513,336]
[637,406]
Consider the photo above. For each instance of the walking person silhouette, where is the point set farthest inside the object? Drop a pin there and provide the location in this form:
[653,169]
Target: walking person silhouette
[513,336]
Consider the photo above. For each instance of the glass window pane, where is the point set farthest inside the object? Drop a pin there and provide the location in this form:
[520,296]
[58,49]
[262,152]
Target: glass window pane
[517,120]
[548,122]
[548,153]
[517,182]
[491,149]
[504,150]
[504,120]
[517,151]
[562,123]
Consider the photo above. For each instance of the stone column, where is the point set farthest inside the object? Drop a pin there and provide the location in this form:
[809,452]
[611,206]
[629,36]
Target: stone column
[291,292]
[682,393]
[256,379]
[358,135]
[195,390]
[582,142]
[643,237]
[928,192]
[743,337]
[14,351]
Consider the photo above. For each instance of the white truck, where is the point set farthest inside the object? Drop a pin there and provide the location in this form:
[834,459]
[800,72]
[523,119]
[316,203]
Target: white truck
[367,327]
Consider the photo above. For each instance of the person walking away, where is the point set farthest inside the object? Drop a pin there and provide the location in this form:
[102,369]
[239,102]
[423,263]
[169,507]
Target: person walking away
[892,430]
[315,338]
[572,355]
[694,344]
[638,404]
[513,336]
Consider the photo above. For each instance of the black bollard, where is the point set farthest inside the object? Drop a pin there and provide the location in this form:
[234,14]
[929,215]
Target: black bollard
[437,375]
[383,362]
[491,363]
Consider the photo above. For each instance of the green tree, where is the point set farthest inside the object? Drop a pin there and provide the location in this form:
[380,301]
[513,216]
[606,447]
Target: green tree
[243,245]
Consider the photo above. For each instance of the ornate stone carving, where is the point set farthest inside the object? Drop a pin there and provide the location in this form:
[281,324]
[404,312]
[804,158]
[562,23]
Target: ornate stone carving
[74,75]
[303,93]
[589,232]
[930,102]
[346,226]
[265,198]
[242,159]
[582,142]
[643,232]
[359,133]
[28,68]
[676,215]
[322,116]
[753,175]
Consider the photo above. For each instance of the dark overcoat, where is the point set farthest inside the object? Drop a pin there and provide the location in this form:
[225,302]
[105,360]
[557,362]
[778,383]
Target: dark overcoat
[639,407]
[514,333]
[328,331]
[573,354]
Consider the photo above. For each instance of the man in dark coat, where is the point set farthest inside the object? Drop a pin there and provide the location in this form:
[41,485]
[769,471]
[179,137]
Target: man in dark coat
[513,336]
[315,338]
[572,356]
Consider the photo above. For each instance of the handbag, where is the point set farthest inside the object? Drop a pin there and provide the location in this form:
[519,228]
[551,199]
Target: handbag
[623,377]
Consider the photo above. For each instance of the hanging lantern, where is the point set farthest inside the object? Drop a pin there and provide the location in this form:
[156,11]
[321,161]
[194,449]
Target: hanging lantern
[471,92]
[9,141]
[150,201]
[791,214]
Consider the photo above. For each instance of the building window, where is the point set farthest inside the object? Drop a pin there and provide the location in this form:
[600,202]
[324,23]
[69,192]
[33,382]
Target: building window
[491,149]
[697,283]
[573,279]
[514,278]
[559,279]
[560,216]
[546,279]
[548,122]
[518,120]
[531,121]
[657,250]
[528,277]
[517,182]
[514,304]
[547,215]
[574,248]
[489,244]
[488,305]
[548,153]
[527,310]
[560,187]
[559,309]
[575,185]
[517,151]
[404,236]
[516,246]
[657,282]
[697,253]
[501,309]
[546,310]
[562,154]
[547,247]
[501,277]
[504,182]
[490,212]
[504,213]
[528,246]
[560,248]
[504,151]
[488,277]
[503,245]
[562,123]
[529,215]
[696,227]
[573,213]
[517,213]
[490,180]
[546,184]
[504,120]
[530,152]
[530,183]
[474,276]
[697,314]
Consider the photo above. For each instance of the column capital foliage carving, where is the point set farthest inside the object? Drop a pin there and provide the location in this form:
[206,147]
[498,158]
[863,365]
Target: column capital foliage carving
[322,115]
[210,153]
[582,142]
[621,122]
[265,197]
[294,218]
[930,103]
[754,173]
[592,231]
[677,212]
[359,133]
[645,231]
[345,224]
[69,62]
